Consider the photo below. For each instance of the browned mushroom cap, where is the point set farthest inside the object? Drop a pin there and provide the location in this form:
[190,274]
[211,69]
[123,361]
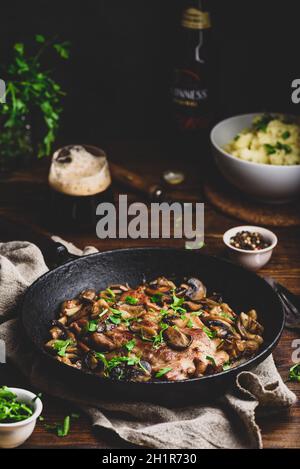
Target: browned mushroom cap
[160,285]
[196,290]
[221,328]
[88,295]
[176,339]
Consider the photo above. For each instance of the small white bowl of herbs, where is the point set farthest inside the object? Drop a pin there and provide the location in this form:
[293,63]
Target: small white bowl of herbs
[19,411]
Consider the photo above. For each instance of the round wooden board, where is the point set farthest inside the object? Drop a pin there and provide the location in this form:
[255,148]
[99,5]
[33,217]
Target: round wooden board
[232,202]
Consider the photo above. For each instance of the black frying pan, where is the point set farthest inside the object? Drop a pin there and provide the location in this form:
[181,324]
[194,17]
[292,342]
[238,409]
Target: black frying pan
[240,288]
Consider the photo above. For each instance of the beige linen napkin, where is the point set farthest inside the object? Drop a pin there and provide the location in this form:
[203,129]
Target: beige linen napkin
[227,423]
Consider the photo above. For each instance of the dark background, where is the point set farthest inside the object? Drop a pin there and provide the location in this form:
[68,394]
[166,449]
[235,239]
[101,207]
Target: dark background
[118,76]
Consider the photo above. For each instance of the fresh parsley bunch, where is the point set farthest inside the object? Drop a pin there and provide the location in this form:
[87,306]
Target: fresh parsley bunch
[28,87]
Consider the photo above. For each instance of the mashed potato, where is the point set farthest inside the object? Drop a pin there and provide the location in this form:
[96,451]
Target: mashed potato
[271,140]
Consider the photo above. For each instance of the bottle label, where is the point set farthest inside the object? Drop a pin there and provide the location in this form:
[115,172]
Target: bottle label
[195,19]
[187,90]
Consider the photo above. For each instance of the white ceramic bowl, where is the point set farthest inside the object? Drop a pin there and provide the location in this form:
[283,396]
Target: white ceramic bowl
[267,183]
[252,260]
[15,434]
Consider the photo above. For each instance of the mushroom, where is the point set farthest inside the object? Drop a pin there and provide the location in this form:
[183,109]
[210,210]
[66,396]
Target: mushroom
[92,362]
[101,342]
[220,327]
[160,285]
[190,306]
[176,339]
[70,307]
[196,290]
[88,295]
[139,373]
[58,331]
[249,328]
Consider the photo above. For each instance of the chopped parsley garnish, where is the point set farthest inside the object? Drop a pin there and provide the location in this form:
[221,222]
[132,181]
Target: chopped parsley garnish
[294,374]
[197,313]
[271,149]
[286,135]
[11,410]
[162,372]
[190,324]
[226,366]
[61,346]
[262,123]
[130,345]
[164,312]
[158,339]
[211,359]
[61,429]
[131,300]
[156,298]
[176,305]
[210,334]
[227,316]
[115,320]
[110,292]
[92,326]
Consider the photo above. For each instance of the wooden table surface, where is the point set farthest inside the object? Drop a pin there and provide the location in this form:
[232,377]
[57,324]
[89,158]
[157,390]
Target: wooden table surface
[21,195]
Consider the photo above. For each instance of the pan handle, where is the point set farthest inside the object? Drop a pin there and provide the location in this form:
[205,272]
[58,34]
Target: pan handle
[54,253]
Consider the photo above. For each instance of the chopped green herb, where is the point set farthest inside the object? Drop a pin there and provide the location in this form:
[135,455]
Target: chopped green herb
[130,345]
[162,372]
[11,410]
[283,146]
[236,137]
[116,312]
[294,374]
[209,333]
[197,313]
[158,339]
[131,300]
[164,312]
[114,320]
[270,149]
[211,359]
[110,292]
[156,298]
[262,122]
[190,324]
[103,312]
[286,135]
[226,366]
[92,326]
[61,346]
[64,429]
[41,418]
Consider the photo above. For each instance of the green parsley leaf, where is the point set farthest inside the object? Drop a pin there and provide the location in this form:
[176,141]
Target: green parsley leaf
[190,324]
[294,374]
[92,326]
[209,333]
[286,135]
[64,429]
[226,366]
[211,359]
[61,346]
[162,372]
[40,38]
[131,300]
[156,298]
[130,345]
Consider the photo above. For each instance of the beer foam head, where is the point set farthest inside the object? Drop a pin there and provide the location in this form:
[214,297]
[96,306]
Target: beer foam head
[77,170]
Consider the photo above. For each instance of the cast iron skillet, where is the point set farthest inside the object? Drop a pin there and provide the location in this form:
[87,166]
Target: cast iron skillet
[242,289]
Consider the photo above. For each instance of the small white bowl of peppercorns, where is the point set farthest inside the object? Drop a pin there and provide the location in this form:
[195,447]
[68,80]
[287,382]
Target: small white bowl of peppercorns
[250,246]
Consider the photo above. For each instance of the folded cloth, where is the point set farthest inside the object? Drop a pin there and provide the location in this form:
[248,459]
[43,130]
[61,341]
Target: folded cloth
[227,423]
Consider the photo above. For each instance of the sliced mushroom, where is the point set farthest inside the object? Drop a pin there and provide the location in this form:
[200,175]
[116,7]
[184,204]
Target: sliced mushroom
[220,327]
[190,306]
[58,331]
[101,342]
[88,295]
[139,373]
[176,339]
[71,307]
[92,362]
[249,328]
[196,290]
